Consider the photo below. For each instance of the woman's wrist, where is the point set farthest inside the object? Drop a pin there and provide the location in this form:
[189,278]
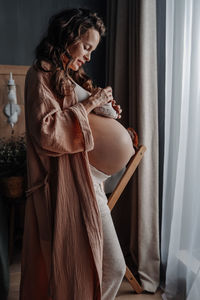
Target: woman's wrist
[87,103]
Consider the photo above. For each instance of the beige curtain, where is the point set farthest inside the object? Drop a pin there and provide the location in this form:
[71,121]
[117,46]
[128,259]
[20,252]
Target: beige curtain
[132,72]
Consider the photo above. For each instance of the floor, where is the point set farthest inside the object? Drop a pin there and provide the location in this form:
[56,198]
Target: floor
[125,293]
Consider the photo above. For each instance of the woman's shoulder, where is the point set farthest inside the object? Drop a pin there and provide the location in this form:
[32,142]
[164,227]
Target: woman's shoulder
[39,79]
[39,76]
[40,72]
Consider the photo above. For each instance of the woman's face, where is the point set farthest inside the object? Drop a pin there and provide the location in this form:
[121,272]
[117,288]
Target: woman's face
[82,49]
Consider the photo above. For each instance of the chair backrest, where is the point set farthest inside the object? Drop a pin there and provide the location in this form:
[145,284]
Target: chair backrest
[130,169]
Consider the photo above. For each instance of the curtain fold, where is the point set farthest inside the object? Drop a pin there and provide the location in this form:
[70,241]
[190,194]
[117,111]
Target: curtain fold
[132,72]
[180,245]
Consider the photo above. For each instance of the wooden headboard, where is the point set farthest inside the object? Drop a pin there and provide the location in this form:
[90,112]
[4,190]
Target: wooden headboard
[19,73]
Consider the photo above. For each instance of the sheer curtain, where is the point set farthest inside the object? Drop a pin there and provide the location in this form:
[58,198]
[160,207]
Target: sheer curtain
[180,243]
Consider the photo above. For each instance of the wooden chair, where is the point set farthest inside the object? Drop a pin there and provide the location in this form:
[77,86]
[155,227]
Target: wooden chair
[130,169]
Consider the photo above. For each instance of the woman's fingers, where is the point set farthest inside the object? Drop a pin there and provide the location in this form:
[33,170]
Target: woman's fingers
[106,95]
[102,96]
[117,108]
[108,91]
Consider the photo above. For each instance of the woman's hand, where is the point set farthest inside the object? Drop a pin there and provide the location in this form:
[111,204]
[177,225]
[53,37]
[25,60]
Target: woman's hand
[117,108]
[98,97]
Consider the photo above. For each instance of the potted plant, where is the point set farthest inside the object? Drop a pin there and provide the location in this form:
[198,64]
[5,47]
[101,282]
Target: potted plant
[12,166]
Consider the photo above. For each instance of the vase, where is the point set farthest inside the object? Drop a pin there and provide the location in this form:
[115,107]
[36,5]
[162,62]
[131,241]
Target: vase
[13,186]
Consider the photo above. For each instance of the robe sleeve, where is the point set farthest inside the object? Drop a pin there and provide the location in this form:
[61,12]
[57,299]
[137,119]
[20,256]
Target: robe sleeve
[55,131]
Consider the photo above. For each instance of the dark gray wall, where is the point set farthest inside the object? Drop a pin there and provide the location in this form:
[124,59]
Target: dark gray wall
[23,22]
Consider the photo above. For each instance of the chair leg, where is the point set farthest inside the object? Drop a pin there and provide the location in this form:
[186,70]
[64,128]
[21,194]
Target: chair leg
[133,281]
[131,167]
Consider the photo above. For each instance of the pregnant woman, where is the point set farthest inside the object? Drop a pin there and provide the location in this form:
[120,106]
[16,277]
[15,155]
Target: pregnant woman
[74,143]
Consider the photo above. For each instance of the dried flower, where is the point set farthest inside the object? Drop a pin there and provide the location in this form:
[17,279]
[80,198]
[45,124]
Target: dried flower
[13,156]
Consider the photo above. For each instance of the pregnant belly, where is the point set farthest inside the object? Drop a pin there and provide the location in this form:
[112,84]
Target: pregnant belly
[112,144]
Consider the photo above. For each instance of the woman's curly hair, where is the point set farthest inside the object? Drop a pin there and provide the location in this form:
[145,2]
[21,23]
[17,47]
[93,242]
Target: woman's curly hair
[64,29]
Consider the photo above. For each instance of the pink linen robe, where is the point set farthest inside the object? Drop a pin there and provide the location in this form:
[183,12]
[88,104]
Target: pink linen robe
[62,246]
